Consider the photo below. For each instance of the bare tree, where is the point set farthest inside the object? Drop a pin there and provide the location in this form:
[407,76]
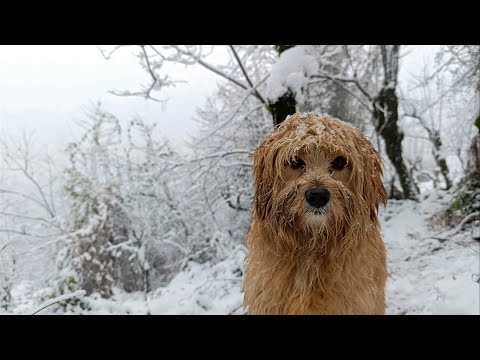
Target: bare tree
[428,111]
[27,190]
[237,71]
[371,77]
[462,62]
[241,71]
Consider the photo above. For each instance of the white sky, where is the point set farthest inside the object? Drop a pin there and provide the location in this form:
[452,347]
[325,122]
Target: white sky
[43,88]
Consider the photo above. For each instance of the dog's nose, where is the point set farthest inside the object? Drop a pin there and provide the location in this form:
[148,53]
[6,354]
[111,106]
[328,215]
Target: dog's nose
[317,197]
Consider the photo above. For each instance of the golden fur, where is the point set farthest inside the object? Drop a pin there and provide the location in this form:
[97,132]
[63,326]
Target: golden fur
[304,263]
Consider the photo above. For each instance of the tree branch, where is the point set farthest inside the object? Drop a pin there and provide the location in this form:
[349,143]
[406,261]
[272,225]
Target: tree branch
[37,185]
[150,71]
[78,293]
[357,83]
[420,120]
[383,51]
[38,202]
[108,55]
[222,155]
[341,84]
[240,64]
[207,66]
[236,111]
[11,231]
[33,218]
[340,79]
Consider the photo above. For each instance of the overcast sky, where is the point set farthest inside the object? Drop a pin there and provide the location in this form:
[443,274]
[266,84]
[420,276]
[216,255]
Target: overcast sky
[44,88]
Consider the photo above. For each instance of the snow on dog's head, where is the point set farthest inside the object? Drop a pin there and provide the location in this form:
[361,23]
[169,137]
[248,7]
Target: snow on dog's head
[316,173]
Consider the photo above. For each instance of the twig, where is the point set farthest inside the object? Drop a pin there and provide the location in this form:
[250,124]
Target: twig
[340,82]
[238,307]
[78,293]
[12,231]
[37,185]
[207,66]
[33,218]
[240,64]
[3,191]
[357,83]
[150,71]
[235,112]
[468,219]
[216,156]
[107,55]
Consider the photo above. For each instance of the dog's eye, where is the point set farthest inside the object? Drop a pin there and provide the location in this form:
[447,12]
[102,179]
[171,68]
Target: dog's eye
[296,163]
[339,163]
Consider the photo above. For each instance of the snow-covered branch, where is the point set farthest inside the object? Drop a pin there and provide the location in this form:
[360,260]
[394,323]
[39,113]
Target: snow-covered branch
[242,68]
[188,55]
[76,294]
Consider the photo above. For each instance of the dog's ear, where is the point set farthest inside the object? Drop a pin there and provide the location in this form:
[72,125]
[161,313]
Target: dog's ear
[374,191]
[263,165]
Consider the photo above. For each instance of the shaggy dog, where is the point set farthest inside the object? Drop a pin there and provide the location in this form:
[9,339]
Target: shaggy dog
[314,245]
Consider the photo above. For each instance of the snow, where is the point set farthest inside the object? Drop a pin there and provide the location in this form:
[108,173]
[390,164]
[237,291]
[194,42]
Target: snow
[427,276]
[319,128]
[301,131]
[46,304]
[212,289]
[292,71]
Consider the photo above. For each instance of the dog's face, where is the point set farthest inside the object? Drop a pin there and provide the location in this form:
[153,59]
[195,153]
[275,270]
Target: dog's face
[316,174]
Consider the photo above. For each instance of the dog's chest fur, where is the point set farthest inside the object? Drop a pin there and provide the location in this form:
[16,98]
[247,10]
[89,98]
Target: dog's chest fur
[305,282]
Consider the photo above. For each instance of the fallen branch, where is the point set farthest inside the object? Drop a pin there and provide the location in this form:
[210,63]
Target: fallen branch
[468,219]
[460,227]
[78,293]
[234,310]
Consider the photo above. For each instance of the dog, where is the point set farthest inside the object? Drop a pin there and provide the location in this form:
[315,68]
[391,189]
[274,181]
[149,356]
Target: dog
[314,244]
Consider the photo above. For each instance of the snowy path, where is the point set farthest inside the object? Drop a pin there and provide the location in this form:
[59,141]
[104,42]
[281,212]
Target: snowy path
[427,276]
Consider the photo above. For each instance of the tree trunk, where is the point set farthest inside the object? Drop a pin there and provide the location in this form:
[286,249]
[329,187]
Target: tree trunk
[440,160]
[286,104]
[473,159]
[385,113]
[474,151]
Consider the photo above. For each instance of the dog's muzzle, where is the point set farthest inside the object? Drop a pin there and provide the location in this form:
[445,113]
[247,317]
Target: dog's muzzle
[317,197]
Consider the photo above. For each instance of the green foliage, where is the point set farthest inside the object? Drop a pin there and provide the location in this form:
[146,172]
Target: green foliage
[66,284]
[466,200]
[7,273]
[5,294]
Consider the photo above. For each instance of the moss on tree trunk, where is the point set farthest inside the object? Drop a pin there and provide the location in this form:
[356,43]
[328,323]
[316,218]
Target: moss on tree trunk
[284,106]
[440,160]
[385,112]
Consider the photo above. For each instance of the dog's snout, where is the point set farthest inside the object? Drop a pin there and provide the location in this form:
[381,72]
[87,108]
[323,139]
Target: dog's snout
[317,196]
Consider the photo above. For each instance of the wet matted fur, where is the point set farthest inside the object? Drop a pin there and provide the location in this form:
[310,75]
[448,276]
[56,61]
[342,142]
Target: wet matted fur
[305,260]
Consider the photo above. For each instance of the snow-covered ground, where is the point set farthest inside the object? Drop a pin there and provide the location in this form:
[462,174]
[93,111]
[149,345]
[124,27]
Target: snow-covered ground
[427,275]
